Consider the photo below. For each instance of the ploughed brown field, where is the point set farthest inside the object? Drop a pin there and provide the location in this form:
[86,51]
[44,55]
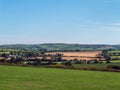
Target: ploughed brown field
[86,55]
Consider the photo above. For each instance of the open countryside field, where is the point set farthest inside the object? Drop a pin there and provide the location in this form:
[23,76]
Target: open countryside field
[115,51]
[84,55]
[30,78]
[114,54]
[4,52]
[99,66]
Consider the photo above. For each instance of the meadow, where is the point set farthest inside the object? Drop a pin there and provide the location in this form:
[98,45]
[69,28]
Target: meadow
[115,54]
[98,66]
[34,78]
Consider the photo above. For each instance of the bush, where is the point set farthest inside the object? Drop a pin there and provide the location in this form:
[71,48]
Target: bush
[113,67]
[68,63]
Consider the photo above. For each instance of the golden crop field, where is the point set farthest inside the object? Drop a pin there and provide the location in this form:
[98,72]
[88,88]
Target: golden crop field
[86,55]
[90,53]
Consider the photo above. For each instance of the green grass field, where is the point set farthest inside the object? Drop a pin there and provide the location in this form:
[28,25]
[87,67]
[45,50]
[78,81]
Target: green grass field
[99,66]
[4,52]
[32,78]
[116,51]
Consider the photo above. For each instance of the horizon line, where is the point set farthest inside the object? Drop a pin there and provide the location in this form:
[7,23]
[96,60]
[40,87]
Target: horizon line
[57,43]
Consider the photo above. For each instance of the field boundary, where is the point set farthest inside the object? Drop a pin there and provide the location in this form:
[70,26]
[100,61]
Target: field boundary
[106,69]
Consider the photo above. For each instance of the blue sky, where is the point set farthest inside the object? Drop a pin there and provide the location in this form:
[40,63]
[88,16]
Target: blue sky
[59,21]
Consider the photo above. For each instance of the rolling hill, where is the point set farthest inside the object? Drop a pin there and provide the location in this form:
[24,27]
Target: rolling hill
[61,47]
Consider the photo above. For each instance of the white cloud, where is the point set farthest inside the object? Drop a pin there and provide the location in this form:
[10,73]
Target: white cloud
[102,26]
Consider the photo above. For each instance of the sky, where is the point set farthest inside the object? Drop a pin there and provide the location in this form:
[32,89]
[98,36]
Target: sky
[59,21]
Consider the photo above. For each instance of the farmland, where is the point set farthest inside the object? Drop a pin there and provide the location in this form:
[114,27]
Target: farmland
[115,55]
[30,78]
[42,73]
[92,53]
[87,60]
[83,55]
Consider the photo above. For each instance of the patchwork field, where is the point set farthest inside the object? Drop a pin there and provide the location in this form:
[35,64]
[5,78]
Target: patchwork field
[87,55]
[114,54]
[30,78]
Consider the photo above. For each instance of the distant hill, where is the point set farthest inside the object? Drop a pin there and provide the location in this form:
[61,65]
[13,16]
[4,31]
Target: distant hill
[61,47]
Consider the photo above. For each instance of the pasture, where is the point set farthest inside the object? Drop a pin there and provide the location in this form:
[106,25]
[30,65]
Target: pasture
[99,66]
[114,54]
[33,78]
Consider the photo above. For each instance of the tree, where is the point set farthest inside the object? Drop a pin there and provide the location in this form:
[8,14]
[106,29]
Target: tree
[68,63]
[106,56]
[38,62]
[19,60]
[59,57]
[12,60]
[4,55]
[43,55]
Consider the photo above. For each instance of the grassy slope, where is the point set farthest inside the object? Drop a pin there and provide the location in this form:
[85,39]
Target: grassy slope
[29,78]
